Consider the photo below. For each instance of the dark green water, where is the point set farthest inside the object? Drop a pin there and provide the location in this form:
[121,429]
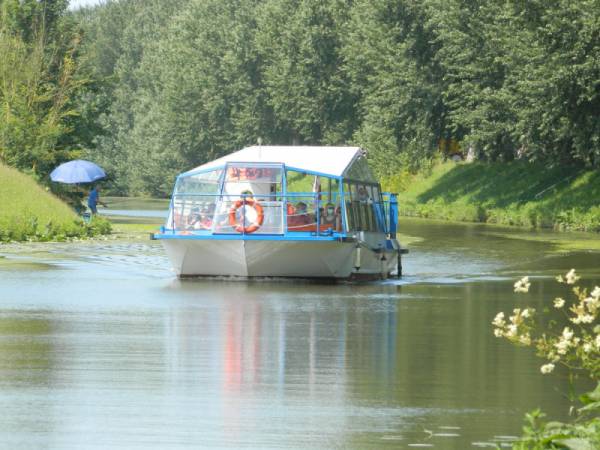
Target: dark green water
[101,347]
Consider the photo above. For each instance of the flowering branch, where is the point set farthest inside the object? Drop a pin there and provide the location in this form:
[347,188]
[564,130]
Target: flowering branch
[576,347]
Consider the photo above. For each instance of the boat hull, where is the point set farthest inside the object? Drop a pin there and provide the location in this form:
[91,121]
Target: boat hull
[267,258]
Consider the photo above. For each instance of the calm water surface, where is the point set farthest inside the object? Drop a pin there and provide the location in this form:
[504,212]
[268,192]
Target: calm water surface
[102,347]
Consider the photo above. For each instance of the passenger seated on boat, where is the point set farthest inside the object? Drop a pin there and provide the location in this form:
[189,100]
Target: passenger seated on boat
[201,220]
[193,222]
[206,218]
[300,218]
[331,216]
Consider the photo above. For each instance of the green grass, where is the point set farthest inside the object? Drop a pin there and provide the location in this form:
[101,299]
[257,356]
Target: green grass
[516,193]
[29,212]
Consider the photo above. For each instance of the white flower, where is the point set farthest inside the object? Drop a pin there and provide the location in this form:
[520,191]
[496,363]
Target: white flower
[571,277]
[522,285]
[587,347]
[559,302]
[593,303]
[498,332]
[596,293]
[499,320]
[525,339]
[598,341]
[511,331]
[562,347]
[525,313]
[547,368]
[567,333]
[564,342]
[583,318]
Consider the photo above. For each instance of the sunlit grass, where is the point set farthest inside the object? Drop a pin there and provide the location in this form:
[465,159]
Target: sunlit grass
[515,193]
[22,198]
[28,211]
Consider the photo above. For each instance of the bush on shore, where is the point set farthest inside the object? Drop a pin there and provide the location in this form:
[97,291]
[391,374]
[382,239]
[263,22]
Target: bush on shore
[515,193]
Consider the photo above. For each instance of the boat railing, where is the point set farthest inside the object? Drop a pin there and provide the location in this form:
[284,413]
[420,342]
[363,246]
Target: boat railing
[249,213]
[273,213]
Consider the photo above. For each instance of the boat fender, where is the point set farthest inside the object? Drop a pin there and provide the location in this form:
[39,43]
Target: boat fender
[251,228]
[357,257]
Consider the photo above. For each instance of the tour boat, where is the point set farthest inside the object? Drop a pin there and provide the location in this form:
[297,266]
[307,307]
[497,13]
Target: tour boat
[283,211]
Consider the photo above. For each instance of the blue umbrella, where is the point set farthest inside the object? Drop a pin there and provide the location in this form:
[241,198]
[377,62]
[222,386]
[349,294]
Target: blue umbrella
[77,171]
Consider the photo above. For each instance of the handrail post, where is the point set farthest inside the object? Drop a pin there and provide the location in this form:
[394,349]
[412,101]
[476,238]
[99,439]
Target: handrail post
[244,213]
[284,208]
[318,214]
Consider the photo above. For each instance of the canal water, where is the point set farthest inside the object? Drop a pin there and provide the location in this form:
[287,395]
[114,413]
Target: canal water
[102,347]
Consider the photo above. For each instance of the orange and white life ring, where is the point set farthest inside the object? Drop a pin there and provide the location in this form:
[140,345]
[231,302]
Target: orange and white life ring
[252,227]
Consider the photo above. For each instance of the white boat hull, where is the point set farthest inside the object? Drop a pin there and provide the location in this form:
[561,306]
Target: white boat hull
[268,258]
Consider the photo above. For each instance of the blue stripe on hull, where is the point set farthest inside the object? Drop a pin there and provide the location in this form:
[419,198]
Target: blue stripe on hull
[248,237]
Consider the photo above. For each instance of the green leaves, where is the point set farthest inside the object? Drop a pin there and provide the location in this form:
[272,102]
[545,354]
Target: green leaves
[591,400]
[178,83]
[38,82]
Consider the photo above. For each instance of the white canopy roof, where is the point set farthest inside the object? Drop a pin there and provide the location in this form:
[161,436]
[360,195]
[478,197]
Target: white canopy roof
[328,160]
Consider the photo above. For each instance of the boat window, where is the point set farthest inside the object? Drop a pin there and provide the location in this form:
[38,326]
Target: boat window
[330,206]
[363,207]
[351,198]
[263,182]
[194,201]
[299,181]
[250,201]
[202,183]
[359,170]
[312,202]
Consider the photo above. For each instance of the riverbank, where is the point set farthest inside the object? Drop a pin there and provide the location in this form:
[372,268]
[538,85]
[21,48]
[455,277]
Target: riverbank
[515,193]
[29,213]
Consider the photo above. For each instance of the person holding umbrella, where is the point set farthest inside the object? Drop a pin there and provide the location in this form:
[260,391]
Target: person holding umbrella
[94,199]
[78,172]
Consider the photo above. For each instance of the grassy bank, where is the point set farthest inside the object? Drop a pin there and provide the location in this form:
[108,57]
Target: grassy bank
[28,212]
[516,193]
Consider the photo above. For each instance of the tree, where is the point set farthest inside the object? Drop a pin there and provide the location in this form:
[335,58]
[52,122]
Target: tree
[38,79]
[301,63]
[390,58]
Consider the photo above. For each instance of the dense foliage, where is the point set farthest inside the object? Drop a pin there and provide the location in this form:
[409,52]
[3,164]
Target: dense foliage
[148,88]
[40,86]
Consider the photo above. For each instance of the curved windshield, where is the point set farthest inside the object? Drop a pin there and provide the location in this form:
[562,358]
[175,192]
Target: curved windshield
[195,201]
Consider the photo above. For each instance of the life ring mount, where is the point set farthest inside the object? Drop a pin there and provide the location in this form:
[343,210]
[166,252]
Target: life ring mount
[254,225]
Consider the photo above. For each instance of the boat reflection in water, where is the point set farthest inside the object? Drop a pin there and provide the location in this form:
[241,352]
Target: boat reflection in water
[288,211]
